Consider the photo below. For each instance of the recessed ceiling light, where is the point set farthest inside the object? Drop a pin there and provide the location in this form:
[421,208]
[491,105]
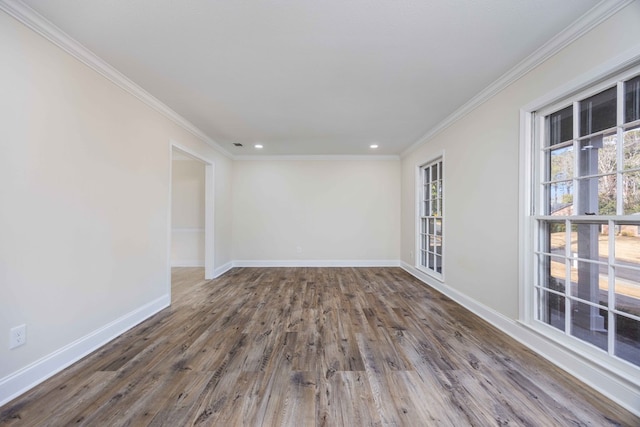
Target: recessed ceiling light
[258,146]
[374,146]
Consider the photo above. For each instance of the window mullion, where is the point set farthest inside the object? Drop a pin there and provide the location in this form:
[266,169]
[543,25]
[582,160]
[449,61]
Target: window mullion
[620,150]
[567,278]
[576,157]
[611,298]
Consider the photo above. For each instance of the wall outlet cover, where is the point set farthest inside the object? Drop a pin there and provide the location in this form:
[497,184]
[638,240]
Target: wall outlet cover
[17,336]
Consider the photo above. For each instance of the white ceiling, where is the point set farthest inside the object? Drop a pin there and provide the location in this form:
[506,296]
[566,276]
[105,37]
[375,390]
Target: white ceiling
[310,77]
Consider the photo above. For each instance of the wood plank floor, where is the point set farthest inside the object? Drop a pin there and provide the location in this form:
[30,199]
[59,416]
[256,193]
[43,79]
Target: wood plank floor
[312,347]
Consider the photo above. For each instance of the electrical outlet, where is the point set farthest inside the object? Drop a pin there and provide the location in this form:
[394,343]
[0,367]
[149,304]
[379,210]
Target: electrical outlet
[17,336]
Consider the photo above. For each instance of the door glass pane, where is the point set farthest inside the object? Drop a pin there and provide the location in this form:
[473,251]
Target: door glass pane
[628,339]
[560,125]
[631,150]
[632,100]
[627,290]
[631,193]
[598,112]
[589,324]
[551,309]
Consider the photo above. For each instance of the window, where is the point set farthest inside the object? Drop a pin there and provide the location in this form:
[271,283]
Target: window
[586,212]
[431,200]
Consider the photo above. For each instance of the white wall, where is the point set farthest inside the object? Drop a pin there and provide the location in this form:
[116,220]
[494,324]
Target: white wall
[481,171]
[84,190]
[187,213]
[333,210]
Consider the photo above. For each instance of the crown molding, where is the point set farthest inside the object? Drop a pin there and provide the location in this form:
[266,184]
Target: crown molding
[596,15]
[49,31]
[317,157]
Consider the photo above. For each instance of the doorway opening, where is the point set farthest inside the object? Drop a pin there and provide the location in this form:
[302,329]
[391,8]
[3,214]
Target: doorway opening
[191,240]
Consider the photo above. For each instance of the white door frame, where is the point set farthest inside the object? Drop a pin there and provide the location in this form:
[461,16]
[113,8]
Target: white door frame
[209,192]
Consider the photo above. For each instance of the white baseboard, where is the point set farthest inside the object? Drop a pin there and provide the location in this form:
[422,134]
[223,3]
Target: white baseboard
[621,390]
[31,375]
[318,263]
[222,269]
[187,263]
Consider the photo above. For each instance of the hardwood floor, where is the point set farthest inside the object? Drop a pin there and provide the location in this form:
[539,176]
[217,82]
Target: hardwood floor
[312,347]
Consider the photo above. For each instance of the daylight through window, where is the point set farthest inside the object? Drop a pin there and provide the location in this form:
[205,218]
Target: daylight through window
[431,218]
[587,282]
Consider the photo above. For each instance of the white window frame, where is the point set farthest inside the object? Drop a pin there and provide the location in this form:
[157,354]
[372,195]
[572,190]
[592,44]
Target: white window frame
[420,199]
[531,170]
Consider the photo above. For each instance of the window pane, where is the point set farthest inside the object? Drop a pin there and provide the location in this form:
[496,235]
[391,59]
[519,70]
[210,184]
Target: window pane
[628,339]
[632,100]
[561,164]
[589,324]
[598,155]
[431,226]
[438,264]
[607,195]
[560,198]
[434,172]
[631,149]
[556,238]
[628,290]
[590,241]
[598,112]
[627,245]
[598,195]
[433,187]
[631,193]
[589,282]
[438,227]
[553,273]
[431,264]
[560,126]
[551,309]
